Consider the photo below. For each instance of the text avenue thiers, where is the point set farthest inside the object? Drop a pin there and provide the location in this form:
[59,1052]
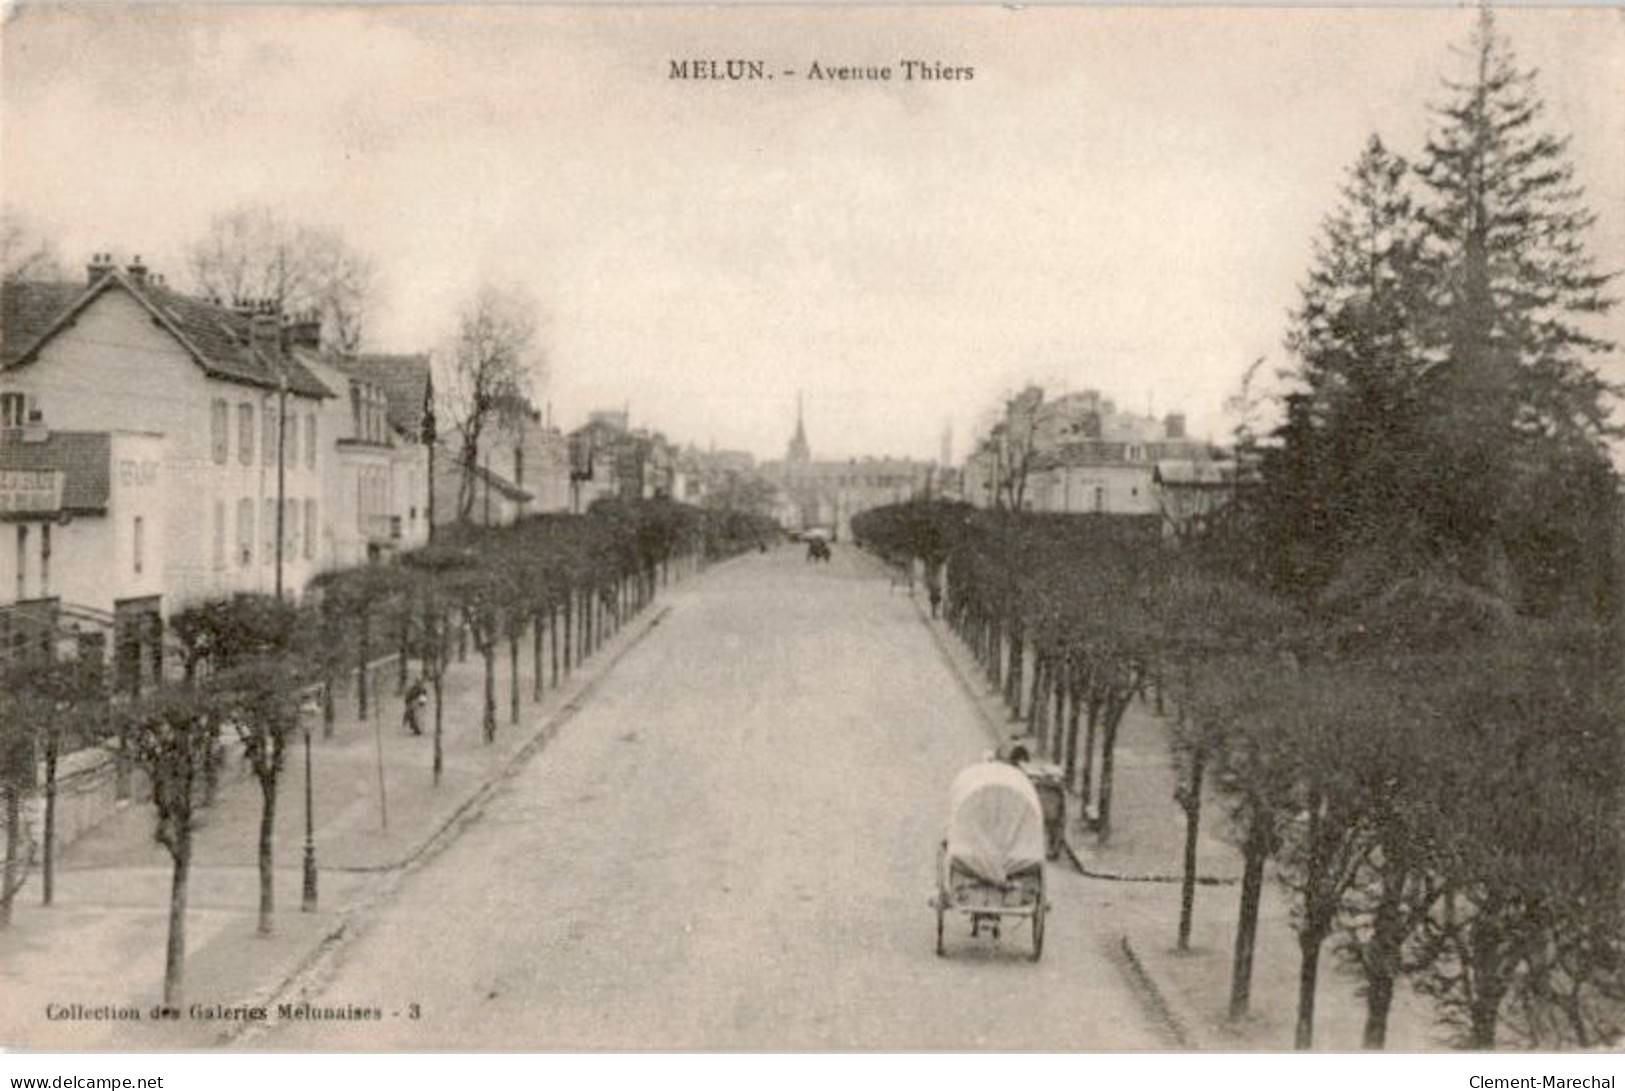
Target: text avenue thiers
[907,71]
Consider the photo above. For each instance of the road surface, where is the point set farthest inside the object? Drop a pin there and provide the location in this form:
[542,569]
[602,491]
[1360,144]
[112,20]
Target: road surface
[730,847]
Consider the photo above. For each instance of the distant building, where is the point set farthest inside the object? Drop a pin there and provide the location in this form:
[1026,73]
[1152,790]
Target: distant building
[1191,492]
[1080,454]
[377,486]
[830,493]
[523,469]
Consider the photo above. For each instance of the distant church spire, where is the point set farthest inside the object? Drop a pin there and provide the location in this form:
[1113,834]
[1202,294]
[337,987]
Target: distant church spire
[799,451]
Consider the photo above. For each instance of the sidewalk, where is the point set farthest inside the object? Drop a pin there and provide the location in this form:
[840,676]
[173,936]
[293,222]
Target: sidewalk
[102,944]
[1142,865]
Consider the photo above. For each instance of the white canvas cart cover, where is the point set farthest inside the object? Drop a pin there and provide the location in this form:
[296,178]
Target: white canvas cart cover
[995,823]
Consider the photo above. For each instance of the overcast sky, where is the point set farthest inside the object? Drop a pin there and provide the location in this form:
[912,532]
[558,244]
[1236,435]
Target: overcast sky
[1119,199]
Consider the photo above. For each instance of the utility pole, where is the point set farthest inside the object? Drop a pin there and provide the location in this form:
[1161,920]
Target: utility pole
[431,439]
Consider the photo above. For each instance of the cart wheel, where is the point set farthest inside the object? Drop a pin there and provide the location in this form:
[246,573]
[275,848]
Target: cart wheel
[1038,931]
[940,916]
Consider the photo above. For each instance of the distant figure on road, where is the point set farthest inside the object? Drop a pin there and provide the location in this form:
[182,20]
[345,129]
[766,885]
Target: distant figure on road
[933,588]
[417,696]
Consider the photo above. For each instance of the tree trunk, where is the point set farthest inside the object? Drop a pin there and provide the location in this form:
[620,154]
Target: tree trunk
[403,644]
[488,654]
[536,657]
[175,952]
[513,675]
[9,882]
[1115,707]
[1036,697]
[1252,886]
[553,642]
[1309,943]
[123,764]
[439,720]
[53,743]
[1489,988]
[1193,824]
[1380,962]
[1014,673]
[1092,706]
[569,630]
[329,712]
[1319,908]
[268,787]
[1055,734]
[1075,715]
[361,678]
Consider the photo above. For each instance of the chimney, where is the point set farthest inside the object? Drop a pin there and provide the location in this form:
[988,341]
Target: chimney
[136,270]
[100,265]
[1173,426]
[303,330]
[265,327]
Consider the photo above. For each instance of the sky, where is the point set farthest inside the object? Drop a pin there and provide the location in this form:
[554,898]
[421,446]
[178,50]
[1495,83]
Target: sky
[1119,199]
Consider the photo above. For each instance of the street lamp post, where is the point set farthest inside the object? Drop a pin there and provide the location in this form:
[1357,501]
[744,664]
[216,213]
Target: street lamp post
[309,903]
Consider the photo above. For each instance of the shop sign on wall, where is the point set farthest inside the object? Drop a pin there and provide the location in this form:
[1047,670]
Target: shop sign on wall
[31,491]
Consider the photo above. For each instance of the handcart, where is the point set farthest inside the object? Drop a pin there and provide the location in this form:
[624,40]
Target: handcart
[990,867]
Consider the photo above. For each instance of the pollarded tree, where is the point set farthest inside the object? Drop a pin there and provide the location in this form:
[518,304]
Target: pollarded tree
[61,700]
[260,660]
[16,779]
[171,735]
[1528,853]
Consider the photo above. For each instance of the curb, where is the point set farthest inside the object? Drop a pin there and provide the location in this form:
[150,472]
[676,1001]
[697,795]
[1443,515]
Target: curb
[1151,995]
[310,971]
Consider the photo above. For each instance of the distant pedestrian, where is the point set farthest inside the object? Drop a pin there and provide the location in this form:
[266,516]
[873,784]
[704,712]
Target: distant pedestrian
[417,695]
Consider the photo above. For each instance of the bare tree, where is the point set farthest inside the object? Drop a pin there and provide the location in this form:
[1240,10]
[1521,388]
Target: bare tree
[490,364]
[258,252]
[25,254]
[1012,445]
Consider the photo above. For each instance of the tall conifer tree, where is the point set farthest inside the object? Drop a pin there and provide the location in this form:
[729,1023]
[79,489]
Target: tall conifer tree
[1517,407]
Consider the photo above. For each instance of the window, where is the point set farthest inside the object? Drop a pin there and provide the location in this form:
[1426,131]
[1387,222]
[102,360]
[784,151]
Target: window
[44,559]
[270,532]
[310,440]
[291,444]
[310,530]
[290,544]
[219,535]
[245,532]
[1100,498]
[12,411]
[137,536]
[245,435]
[22,561]
[219,423]
[269,444]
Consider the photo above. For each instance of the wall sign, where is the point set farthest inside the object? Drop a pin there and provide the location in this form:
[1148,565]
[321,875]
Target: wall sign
[31,491]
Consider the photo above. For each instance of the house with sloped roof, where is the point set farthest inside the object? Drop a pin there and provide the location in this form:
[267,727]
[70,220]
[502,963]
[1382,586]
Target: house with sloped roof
[376,489]
[234,460]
